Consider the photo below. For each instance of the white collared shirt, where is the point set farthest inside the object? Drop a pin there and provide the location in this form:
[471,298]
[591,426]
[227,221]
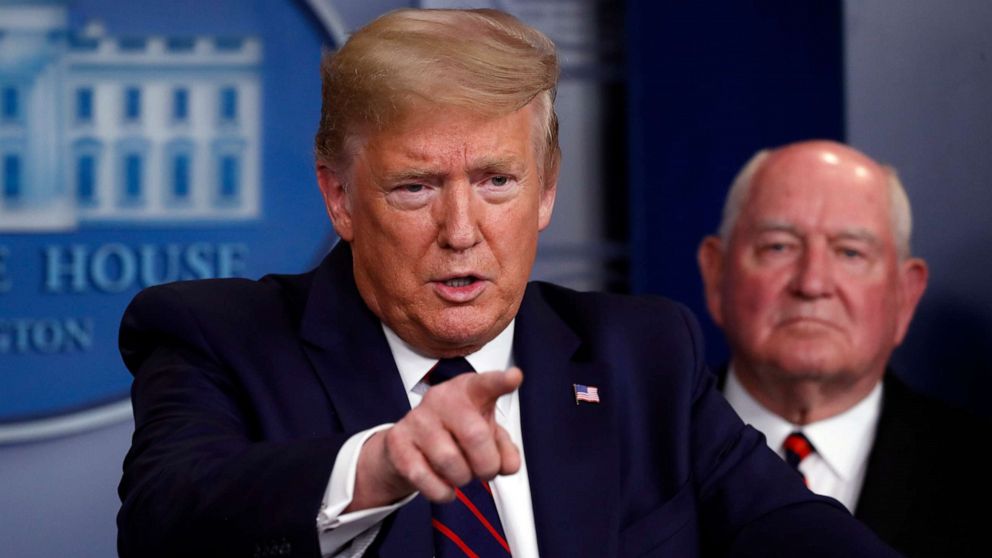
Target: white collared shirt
[350,534]
[842,442]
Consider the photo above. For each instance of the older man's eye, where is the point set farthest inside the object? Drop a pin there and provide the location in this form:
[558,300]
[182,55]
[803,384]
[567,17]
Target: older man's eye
[409,196]
[500,180]
[850,253]
[775,247]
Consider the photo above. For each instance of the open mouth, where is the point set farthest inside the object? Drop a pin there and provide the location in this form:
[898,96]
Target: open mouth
[460,289]
[461,281]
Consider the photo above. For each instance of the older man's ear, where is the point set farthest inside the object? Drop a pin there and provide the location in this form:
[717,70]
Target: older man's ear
[913,275]
[336,200]
[710,258]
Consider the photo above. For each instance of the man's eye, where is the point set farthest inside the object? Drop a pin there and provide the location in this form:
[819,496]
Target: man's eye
[412,188]
[775,247]
[850,253]
[500,180]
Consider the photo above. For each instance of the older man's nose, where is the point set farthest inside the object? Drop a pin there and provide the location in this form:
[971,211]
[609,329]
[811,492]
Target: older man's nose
[457,218]
[813,275]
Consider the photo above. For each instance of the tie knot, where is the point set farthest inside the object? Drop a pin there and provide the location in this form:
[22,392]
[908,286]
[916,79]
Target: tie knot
[797,447]
[448,368]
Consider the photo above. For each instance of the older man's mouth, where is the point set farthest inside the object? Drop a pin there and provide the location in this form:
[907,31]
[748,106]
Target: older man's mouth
[460,289]
[808,324]
[460,281]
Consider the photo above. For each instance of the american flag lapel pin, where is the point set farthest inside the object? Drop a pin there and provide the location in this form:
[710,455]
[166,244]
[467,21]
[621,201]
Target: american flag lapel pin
[586,394]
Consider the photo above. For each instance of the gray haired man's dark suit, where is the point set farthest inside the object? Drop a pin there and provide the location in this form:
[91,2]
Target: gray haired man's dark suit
[245,390]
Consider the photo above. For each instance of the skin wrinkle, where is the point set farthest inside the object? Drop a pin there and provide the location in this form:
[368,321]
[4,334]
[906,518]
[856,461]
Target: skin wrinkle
[852,233]
[465,227]
[408,153]
[810,287]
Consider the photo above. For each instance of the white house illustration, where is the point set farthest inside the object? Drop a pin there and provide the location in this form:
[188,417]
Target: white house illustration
[123,129]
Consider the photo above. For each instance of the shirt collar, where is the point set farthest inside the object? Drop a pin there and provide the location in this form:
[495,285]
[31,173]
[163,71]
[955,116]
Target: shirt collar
[497,354]
[843,441]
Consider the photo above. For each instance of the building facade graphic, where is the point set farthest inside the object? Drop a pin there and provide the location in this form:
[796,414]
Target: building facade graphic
[97,128]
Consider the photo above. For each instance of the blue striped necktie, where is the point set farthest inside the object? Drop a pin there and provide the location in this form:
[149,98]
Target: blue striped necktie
[468,526]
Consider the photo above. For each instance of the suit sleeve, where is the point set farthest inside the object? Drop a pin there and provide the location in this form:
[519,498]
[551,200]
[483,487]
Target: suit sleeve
[750,502]
[199,479]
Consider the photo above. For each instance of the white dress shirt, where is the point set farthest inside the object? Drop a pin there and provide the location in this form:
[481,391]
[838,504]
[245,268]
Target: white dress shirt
[842,442]
[350,534]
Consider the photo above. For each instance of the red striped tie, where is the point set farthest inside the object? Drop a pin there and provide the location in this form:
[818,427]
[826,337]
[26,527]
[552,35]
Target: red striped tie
[468,526]
[797,447]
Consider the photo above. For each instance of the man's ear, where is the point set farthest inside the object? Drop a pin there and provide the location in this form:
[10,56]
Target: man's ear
[549,190]
[336,200]
[913,275]
[710,258]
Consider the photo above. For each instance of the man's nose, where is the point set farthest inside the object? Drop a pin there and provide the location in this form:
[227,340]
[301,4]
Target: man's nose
[813,277]
[458,226]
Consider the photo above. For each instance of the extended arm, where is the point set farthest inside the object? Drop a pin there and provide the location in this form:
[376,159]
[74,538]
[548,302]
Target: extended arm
[200,477]
[751,502]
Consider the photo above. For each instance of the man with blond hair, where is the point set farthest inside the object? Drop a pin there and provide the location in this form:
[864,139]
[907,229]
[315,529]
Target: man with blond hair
[812,280]
[338,412]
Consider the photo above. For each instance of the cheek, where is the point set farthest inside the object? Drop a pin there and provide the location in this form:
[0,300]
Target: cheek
[751,298]
[512,231]
[866,296]
[401,234]
[874,311]
[393,263]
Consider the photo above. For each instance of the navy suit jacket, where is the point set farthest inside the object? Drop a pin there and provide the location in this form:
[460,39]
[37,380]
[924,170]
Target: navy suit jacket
[921,488]
[245,390]
[918,492]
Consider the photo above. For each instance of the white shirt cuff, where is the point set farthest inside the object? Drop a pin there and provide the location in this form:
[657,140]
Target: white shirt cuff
[336,530]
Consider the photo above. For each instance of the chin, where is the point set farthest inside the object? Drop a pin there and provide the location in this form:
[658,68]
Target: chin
[811,365]
[455,333]
[809,330]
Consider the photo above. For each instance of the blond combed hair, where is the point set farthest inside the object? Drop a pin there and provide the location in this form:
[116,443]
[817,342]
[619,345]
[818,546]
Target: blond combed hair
[484,61]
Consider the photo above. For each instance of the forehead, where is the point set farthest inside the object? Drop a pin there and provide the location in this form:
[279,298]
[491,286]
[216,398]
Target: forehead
[444,139]
[820,191]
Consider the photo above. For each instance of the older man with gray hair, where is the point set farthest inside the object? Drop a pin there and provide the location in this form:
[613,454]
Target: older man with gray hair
[377,405]
[812,281]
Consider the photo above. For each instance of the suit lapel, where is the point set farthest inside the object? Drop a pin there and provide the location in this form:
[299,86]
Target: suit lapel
[570,448]
[345,343]
[887,492]
[350,355]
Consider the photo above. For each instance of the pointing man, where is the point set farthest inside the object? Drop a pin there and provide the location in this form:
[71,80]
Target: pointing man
[339,412]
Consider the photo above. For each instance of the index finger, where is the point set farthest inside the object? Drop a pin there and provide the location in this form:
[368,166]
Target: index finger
[485,388]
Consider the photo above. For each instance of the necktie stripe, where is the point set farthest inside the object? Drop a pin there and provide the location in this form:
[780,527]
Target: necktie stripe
[470,525]
[800,446]
[797,448]
[482,519]
[454,538]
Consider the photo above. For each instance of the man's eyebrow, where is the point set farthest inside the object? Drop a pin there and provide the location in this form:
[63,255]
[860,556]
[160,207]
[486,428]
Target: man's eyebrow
[492,164]
[410,175]
[778,226]
[858,234]
[496,164]
[854,233]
